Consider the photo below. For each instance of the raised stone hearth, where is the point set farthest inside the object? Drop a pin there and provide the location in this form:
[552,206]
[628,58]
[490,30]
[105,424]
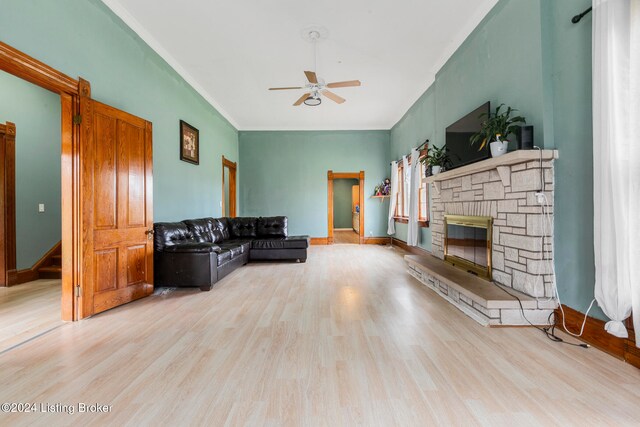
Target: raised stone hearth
[504,188]
[479,299]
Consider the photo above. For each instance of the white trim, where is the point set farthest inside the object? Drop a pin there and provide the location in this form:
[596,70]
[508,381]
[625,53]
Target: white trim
[120,11]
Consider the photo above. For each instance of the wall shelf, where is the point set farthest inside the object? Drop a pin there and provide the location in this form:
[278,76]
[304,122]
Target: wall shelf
[380,197]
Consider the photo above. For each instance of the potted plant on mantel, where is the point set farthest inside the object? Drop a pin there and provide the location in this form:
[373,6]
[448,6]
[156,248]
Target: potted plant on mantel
[496,128]
[437,159]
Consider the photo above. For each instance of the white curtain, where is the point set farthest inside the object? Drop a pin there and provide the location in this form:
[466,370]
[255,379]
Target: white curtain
[414,187]
[391,227]
[616,162]
[635,180]
[406,179]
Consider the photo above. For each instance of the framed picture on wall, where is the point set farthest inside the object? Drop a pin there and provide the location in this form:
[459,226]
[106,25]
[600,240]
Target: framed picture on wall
[189,143]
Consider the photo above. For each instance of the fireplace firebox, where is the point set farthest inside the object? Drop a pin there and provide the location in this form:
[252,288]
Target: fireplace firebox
[467,243]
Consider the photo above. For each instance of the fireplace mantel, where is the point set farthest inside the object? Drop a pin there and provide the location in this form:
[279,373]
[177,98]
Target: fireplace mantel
[509,159]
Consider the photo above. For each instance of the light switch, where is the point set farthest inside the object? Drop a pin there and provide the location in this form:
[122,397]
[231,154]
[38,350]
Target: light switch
[41,207]
[220,203]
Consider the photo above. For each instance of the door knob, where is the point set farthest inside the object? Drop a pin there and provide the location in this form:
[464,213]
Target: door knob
[149,233]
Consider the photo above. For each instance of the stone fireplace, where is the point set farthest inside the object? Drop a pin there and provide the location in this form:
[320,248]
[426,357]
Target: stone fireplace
[508,237]
[522,246]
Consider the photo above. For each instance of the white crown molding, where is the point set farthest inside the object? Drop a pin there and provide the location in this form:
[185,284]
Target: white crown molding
[137,28]
[452,47]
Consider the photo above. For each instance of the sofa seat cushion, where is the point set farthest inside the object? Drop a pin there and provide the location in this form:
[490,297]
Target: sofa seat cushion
[229,254]
[193,247]
[291,242]
[224,256]
[244,244]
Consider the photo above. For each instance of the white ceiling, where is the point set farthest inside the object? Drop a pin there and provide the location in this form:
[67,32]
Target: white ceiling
[232,51]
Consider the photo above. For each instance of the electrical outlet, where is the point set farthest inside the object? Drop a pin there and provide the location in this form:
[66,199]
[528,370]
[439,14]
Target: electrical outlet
[41,207]
[370,233]
[540,198]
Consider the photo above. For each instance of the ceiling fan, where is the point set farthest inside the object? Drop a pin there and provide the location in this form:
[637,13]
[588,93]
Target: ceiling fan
[315,87]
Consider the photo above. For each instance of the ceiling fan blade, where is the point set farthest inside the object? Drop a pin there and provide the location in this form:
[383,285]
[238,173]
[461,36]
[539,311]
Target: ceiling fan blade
[284,88]
[332,96]
[311,76]
[302,99]
[345,84]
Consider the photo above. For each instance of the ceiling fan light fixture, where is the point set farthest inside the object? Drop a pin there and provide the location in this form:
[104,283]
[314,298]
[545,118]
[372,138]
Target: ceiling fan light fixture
[313,101]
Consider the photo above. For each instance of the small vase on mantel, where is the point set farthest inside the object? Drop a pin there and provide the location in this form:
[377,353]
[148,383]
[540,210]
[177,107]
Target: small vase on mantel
[498,147]
[435,170]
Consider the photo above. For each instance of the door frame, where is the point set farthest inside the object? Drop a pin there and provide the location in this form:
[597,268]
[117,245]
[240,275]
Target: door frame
[27,68]
[233,167]
[8,271]
[331,175]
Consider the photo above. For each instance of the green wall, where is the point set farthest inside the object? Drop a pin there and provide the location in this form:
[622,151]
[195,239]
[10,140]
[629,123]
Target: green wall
[527,54]
[84,38]
[342,215]
[36,113]
[568,53]
[285,173]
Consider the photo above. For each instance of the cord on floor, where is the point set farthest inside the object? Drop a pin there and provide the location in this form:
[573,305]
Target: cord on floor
[548,331]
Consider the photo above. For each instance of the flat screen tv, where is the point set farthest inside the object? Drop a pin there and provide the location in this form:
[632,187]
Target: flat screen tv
[457,137]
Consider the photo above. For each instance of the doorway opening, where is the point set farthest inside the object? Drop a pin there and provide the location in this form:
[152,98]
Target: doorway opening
[346,211]
[345,207]
[31,213]
[228,204]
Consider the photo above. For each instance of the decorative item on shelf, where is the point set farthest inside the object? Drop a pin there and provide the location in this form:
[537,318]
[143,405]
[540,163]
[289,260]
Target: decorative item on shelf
[382,189]
[496,128]
[437,160]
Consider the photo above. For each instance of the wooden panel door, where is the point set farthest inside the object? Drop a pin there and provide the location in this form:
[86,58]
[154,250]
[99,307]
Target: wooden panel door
[116,207]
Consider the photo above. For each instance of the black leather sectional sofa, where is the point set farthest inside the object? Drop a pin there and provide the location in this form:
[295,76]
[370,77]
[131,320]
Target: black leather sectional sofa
[199,252]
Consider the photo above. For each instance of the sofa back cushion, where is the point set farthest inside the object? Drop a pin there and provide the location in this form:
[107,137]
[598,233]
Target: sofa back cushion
[170,233]
[273,226]
[204,230]
[242,227]
[222,225]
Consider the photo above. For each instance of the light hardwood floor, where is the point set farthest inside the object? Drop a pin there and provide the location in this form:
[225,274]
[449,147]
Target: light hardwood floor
[348,338]
[345,236]
[28,310]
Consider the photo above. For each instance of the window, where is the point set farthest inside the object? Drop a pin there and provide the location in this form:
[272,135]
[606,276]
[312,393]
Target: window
[402,207]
